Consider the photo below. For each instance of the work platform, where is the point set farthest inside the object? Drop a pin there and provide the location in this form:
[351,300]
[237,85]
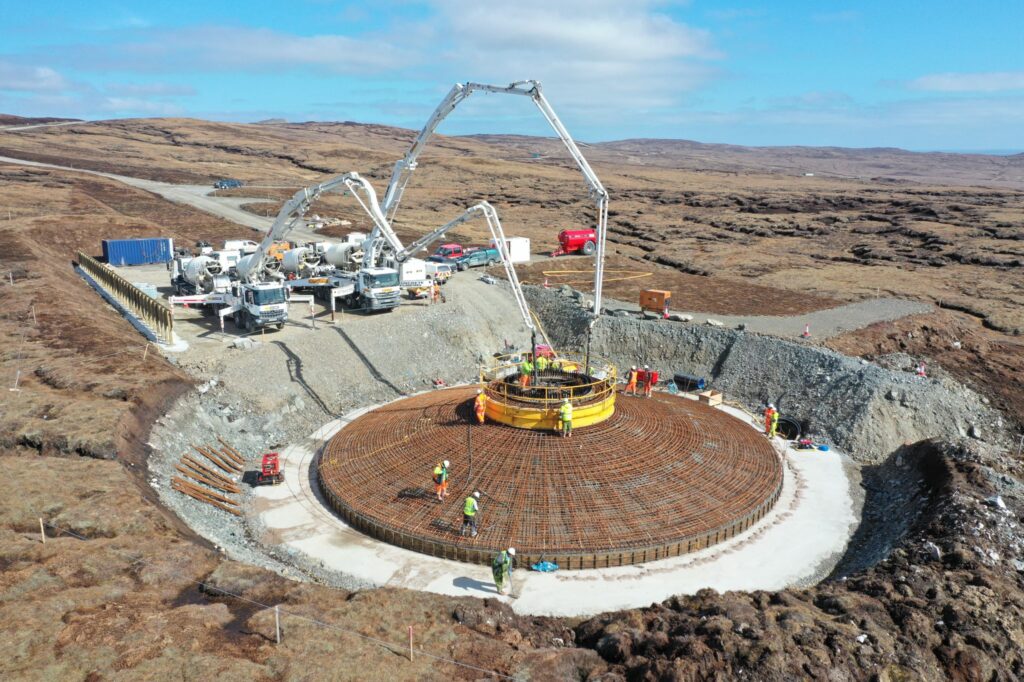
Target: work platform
[588,384]
[658,478]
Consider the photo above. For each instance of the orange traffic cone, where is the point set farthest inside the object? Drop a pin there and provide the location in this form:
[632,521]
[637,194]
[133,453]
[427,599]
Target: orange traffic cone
[546,285]
[807,332]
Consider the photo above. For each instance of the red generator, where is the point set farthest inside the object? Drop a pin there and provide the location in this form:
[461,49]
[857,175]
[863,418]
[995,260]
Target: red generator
[270,471]
[576,241]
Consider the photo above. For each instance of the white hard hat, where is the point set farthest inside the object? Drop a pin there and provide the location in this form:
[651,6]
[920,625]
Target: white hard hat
[771,405]
[633,367]
[479,390]
[512,551]
[447,463]
[647,366]
[476,494]
[565,400]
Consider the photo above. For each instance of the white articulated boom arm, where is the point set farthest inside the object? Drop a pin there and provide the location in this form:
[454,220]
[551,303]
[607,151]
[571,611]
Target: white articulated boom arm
[296,207]
[498,235]
[532,89]
[427,239]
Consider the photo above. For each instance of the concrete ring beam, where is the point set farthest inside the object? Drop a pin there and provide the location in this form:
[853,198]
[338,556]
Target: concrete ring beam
[660,478]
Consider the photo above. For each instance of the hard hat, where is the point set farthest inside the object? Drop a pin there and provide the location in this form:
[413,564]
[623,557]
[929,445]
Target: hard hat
[633,367]
[565,400]
[476,494]
[771,405]
[647,366]
[479,390]
[512,551]
[446,463]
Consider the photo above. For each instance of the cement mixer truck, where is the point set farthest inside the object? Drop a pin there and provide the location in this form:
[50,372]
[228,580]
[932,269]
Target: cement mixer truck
[198,275]
[199,281]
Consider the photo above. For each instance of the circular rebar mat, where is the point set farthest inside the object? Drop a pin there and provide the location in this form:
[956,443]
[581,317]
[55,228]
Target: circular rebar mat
[661,477]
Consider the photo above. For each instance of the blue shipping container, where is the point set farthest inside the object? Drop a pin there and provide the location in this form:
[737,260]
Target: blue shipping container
[138,251]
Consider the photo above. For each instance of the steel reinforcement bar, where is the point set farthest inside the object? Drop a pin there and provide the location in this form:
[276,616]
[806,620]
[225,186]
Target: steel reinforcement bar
[567,560]
[153,312]
[664,477]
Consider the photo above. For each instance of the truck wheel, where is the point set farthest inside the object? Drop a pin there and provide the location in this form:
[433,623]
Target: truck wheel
[491,263]
[280,326]
[247,321]
[462,267]
[238,320]
[589,248]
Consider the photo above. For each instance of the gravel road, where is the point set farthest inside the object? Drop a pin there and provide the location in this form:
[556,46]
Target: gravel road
[197,196]
[824,324]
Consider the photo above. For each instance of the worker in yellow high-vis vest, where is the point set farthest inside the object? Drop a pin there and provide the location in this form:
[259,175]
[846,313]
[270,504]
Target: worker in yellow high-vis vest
[470,510]
[565,418]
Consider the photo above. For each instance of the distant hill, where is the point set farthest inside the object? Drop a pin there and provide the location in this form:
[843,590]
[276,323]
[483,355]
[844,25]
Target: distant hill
[12,120]
[872,163]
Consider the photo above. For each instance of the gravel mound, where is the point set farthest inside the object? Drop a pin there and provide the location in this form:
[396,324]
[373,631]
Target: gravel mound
[867,410]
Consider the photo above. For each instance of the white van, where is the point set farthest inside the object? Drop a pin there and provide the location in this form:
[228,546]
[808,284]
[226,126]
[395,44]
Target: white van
[439,271]
[246,246]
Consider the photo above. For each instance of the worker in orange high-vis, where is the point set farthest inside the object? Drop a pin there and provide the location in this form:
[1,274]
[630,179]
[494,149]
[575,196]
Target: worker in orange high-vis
[480,405]
[525,370]
[441,480]
[631,381]
[769,419]
[650,378]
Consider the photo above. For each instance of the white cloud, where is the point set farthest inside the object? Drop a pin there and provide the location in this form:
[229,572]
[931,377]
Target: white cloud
[597,56]
[30,78]
[150,89]
[235,48]
[994,81]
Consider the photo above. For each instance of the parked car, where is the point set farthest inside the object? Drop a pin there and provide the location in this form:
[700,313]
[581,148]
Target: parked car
[445,260]
[478,257]
[450,251]
[439,271]
[246,246]
[227,183]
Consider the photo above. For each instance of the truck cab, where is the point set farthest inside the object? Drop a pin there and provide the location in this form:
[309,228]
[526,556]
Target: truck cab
[377,289]
[260,305]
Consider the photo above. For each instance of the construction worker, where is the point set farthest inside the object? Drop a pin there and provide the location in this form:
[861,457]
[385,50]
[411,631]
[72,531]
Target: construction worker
[631,381]
[565,418]
[542,364]
[768,418]
[435,292]
[480,405]
[501,568]
[525,370]
[441,480]
[470,508]
[650,378]
[775,424]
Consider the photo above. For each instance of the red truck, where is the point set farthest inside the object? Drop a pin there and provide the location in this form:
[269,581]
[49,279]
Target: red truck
[576,241]
[450,251]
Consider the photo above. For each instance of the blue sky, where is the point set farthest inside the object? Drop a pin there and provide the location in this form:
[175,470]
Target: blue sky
[917,75]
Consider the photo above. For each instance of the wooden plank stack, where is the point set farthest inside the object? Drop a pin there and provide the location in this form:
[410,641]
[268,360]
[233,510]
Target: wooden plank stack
[212,485]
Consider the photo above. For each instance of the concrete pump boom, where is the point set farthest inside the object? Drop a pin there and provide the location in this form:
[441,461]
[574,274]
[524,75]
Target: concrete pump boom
[529,88]
[498,235]
[252,267]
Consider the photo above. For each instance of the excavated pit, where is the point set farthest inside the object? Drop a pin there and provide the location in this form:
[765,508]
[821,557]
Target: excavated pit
[662,477]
